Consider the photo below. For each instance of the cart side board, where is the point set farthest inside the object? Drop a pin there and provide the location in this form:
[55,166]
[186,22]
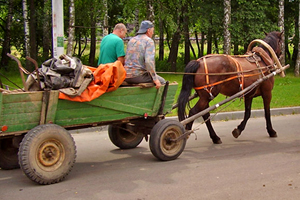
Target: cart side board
[21,112]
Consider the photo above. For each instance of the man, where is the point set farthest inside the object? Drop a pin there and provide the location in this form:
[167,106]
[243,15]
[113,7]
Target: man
[112,46]
[140,57]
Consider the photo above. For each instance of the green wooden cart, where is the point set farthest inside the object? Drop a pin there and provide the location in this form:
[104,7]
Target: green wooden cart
[34,126]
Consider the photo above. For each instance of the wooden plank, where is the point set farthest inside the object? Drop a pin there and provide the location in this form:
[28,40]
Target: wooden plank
[52,106]
[157,102]
[123,107]
[23,97]
[21,107]
[1,108]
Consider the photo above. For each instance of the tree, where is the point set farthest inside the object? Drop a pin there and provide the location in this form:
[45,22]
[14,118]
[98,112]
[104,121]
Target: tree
[281,28]
[26,27]
[71,29]
[46,29]
[33,35]
[227,21]
[297,66]
[7,35]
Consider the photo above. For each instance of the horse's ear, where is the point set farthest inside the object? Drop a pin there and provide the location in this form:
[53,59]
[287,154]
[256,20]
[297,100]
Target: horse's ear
[265,33]
[281,34]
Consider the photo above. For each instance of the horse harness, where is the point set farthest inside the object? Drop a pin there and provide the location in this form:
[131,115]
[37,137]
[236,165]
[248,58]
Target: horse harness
[256,56]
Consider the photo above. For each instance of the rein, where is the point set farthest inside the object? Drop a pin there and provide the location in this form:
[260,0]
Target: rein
[240,74]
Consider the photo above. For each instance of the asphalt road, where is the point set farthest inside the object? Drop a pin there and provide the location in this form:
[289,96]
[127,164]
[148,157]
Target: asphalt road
[253,166]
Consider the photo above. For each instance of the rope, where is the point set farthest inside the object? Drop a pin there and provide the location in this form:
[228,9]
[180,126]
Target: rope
[217,74]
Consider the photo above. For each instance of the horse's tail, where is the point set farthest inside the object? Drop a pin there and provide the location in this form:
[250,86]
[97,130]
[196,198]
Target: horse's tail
[187,85]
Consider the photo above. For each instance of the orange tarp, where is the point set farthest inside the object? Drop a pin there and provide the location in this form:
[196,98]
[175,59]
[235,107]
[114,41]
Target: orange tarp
[107,77]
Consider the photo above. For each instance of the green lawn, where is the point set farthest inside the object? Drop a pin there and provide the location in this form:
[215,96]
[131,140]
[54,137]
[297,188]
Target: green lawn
[286,93]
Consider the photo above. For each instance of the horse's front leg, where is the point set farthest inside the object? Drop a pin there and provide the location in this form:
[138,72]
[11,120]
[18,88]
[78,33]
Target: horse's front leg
[238,131]
[267,100]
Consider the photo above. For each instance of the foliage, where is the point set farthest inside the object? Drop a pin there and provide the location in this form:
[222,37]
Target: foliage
[249,20]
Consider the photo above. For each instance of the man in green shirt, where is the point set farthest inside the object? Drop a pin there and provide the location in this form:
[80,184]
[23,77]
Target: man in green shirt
[112,46]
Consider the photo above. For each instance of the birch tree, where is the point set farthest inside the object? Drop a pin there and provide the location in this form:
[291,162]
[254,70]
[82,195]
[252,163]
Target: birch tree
[105,20]
[297,66]
[281,27]
[227,21]
[26,27]
[71,29]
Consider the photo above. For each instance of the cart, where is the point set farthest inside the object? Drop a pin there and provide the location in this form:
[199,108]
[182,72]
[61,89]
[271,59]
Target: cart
[34,125]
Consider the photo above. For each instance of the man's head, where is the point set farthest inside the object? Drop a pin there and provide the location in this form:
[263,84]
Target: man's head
[120,30]
[147,28]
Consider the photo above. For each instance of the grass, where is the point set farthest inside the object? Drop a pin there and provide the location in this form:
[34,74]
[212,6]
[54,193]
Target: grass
[286,93]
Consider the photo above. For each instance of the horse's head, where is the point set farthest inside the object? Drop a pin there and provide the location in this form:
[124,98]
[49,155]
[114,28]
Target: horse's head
[274,39]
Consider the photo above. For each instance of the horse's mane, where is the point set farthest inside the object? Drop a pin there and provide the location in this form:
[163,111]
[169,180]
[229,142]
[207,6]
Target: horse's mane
[272,39]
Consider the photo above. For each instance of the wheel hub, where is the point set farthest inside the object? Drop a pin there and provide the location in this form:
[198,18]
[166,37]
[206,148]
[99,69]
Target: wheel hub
[50,153]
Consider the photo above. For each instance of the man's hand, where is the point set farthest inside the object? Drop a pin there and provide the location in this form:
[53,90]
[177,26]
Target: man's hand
[157,83]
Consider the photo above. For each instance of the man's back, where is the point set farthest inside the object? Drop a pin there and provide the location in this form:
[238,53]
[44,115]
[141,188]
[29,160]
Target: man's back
[111,48]
[140,55]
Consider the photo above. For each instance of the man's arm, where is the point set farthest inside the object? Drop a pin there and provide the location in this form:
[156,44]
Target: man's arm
[122,59]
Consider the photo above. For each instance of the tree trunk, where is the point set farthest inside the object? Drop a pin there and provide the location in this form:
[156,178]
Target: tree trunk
[150,10]
[202,44]
[46,29]
[209,41]
[198,45]
[281,27]
[6,42]
[297,66]
[105,20]
[32,26]
[26,27]
[93,39]
[227,21]
[174,50]
[187,56]
[216,44]
[71,29]
[161,40]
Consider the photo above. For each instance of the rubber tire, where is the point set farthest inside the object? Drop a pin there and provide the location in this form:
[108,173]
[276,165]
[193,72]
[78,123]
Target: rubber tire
[122,138]
[47,154]
[8,155]
[161,148]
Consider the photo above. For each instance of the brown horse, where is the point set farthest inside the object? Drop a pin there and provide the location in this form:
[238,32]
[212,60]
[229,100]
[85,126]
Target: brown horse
[219,73]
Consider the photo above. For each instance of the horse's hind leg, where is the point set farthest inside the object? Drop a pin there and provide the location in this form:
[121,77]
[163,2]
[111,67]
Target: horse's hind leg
[215,138]
[198,108]
[238,131]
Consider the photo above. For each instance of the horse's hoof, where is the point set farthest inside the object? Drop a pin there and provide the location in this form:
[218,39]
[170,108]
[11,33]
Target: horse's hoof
[236,133]
[219,141]
[272,133]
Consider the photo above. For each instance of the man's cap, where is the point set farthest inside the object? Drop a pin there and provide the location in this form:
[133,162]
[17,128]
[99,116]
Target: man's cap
[145,25]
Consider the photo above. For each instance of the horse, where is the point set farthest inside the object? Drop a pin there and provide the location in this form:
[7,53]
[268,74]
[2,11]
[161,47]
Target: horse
[220,73]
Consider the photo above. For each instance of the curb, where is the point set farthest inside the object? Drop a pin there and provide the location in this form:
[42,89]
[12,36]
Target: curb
[225,116]
[222,116]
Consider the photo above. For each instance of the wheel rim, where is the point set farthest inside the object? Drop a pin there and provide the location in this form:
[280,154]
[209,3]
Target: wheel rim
[50,155]
[169,147]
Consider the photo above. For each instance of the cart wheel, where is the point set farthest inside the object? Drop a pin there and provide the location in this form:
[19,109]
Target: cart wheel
[160,142]
[123,138]
[8,154]
[47,154]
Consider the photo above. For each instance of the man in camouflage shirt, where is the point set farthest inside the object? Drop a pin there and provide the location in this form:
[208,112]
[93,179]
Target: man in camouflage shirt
[140,57]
